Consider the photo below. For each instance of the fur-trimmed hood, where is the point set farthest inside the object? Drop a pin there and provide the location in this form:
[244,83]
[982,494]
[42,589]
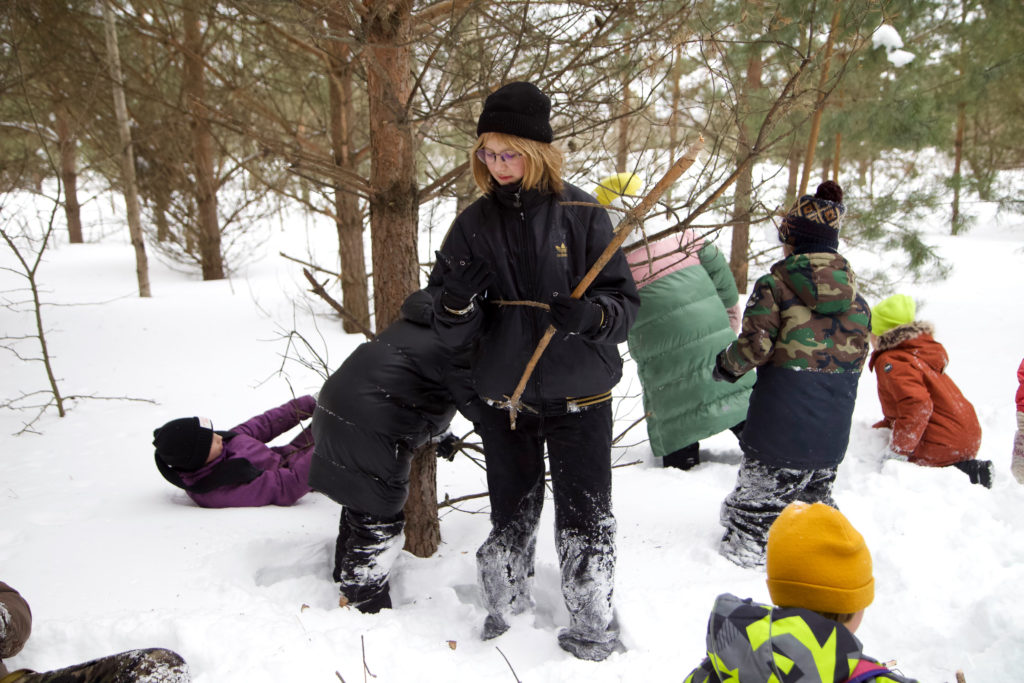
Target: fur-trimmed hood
[916,339]
[902,333]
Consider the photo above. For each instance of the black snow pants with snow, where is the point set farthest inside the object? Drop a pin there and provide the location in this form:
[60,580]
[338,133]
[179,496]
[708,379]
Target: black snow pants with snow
[761,493]
[363,556]
[579,453]
[154,665]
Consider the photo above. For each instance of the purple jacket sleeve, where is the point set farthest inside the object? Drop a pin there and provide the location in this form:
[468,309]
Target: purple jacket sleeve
[15,623]
[279,420]
[278,486]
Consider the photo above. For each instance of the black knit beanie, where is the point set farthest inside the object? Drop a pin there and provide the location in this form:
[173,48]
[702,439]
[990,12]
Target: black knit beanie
[814,223]
[184,444]
[518,109]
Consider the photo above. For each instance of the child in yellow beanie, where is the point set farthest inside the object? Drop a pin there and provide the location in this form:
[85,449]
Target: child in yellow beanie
[932,423]
[820,580]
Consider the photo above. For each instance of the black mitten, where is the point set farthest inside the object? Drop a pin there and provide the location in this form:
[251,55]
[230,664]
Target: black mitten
[576,316]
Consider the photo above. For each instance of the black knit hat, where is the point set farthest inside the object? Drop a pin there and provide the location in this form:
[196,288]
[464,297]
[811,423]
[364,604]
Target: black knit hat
[184,444]
[518,109]
[814,223]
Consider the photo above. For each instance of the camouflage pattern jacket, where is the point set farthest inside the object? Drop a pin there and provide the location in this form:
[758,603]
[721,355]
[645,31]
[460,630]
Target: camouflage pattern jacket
[805,329]
[752,643]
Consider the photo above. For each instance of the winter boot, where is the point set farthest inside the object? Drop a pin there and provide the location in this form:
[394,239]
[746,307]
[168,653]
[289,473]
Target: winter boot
[979,471]
[685,458]
[494,626]
[742,549]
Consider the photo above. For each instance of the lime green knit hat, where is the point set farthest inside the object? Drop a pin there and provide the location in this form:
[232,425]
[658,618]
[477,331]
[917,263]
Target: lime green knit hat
[898,309]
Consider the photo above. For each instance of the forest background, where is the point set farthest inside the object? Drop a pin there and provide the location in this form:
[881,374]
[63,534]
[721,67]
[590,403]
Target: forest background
[205,120]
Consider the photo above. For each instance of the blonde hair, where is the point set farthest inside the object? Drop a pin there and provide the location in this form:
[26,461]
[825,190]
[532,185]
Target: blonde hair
[542,163]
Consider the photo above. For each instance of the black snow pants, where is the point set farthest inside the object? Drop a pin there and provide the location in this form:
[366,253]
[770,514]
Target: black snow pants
[761,493]
[363,556]
[579,454]
[135,666]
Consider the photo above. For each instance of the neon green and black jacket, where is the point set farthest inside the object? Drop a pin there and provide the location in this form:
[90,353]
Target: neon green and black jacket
[753,643]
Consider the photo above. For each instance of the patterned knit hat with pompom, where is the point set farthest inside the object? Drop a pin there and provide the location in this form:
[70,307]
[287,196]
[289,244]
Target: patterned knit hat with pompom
[813,223]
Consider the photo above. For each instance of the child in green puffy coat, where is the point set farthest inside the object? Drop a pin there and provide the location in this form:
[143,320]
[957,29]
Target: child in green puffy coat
[820,581]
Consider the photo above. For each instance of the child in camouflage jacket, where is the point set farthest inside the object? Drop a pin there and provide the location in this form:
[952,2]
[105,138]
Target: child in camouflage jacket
[820,579]
[805,329]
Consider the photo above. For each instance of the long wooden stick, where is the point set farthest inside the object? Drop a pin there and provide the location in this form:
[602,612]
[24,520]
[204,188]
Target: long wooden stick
[631,220]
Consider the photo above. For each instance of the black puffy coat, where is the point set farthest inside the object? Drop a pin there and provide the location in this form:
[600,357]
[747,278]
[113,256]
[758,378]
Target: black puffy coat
[388,398]
[537,245]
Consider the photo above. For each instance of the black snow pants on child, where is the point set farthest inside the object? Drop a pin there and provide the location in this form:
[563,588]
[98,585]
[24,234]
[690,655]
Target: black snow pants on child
[761,492]
[579,453]
[155,665]
[363,556]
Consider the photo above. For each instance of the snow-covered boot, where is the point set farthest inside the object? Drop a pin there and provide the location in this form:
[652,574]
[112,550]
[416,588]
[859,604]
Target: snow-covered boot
[587,563]
[505,565]
[365,552]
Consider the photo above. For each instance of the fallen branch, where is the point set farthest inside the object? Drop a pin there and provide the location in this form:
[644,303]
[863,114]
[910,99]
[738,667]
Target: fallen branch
[631,220]
[319,290]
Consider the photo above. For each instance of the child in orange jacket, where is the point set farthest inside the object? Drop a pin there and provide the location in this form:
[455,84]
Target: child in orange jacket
[932,423]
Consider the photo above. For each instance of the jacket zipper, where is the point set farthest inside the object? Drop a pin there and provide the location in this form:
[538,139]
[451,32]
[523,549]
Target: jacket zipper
[534,289]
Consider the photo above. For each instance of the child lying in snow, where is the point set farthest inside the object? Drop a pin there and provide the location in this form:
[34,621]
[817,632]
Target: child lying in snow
[237,468]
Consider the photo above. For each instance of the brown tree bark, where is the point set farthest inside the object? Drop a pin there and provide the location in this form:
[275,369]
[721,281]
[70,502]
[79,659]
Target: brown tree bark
[131,192]
[819,108]
[348,216]
[422,527]
[958,155]
[793,181]
[622,129]
[67,143]
[202,144]
[393,191]
[740,247]
[393,215]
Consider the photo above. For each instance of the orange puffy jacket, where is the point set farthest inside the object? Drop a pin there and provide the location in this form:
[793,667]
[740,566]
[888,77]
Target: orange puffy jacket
[931,421]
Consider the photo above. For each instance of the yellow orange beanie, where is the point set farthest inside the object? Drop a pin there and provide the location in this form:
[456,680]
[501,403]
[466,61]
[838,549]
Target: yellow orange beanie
[898,309]
[818,561]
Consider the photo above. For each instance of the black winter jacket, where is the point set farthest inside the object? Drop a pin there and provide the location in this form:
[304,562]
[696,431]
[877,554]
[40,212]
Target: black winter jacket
[388,398]
[537,245]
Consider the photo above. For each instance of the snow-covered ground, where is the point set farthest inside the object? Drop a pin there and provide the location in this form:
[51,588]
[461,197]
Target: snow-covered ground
[111,557]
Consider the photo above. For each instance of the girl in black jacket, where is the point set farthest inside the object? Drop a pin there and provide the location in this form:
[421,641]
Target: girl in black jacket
[530,239]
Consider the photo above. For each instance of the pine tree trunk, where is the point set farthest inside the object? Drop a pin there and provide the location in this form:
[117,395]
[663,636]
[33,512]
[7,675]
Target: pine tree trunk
[622,128]
[793,183]
[393,215]
[835,159]
[422,527]
[348,217]
[131,192]
[740,248]
[202,146]
[958,152]
[68,145]
[393,191]
[819,108]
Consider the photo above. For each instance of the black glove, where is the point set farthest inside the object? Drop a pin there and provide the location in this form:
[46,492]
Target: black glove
[720,374]
[447,446]
[576,316]
[463,280]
